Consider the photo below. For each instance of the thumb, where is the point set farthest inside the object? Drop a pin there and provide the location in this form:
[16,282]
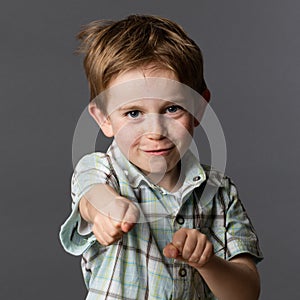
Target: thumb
[126,227]
[170,251]
[130,218]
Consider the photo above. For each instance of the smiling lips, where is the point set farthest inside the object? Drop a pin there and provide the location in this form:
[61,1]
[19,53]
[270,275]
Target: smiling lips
[164,151]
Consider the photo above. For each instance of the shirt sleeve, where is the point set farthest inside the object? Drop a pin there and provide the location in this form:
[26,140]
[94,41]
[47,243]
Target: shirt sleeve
[92,169]
[240,234]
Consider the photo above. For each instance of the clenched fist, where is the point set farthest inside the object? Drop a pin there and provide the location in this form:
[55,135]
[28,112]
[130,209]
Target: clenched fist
[111,214]
[191,246]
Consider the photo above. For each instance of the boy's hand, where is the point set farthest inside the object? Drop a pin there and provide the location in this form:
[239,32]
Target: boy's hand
[110,214]
[191,246]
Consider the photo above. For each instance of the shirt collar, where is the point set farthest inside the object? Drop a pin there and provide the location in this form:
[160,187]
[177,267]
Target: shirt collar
[192,172]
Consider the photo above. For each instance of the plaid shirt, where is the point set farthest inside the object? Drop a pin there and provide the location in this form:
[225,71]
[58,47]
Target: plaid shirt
[134,268]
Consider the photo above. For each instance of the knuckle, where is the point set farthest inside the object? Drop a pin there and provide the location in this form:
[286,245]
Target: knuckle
[178,235]
[180,231]
[95,229]
[97,220]
[202,235]
[121,203]
[186,255]
[194,231]
[116,224]
[110,240]
[210,248]
[129,217]
[177,244]
[204,259]
[101,241]
[188,250]
[194,258]
[114,234]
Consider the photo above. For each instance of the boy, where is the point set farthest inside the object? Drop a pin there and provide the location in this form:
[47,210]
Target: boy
[139,219]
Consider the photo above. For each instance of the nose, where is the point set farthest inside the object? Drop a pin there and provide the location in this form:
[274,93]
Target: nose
[155,127]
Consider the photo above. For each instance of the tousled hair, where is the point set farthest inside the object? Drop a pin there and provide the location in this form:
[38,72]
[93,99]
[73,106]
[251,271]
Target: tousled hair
[113,47]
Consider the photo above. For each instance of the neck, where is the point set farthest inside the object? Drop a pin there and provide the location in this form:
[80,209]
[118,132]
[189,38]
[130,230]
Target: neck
[170,181]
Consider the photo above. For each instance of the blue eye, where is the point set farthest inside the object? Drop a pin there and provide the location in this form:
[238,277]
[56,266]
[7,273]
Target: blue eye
[173,109]
[133,114]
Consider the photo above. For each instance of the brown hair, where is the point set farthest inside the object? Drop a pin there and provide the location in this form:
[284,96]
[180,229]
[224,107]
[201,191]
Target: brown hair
[112,47]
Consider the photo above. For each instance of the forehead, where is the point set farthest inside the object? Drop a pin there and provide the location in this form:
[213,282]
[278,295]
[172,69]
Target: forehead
[148,71]
[143,89]
[148,104]
[133,86]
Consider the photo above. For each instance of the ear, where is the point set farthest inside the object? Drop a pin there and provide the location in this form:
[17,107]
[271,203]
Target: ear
[196,122]
[206,95]
[101,119]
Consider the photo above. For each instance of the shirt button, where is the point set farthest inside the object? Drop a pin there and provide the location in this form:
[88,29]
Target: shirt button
[180,220]
[196,178]
[182,272]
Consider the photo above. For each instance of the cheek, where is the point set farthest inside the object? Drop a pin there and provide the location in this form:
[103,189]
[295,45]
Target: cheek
[182,129]
[126,136]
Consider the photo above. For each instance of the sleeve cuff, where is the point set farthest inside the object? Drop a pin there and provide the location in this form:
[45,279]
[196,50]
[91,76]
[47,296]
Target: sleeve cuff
[84,228]
[72,241]
[240,246]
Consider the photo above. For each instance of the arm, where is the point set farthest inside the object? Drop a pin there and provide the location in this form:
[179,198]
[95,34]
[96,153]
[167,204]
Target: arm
[235,279]
[229,280]
[111,214]
[92,171]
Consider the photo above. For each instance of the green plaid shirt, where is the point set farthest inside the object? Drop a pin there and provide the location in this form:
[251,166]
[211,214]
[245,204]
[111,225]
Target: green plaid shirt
[134,267]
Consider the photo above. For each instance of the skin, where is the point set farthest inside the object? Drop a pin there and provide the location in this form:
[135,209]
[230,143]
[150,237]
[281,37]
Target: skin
[229,280]
[160,132]
[152,133]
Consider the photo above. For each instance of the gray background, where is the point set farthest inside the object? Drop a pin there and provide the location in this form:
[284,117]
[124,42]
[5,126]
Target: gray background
[251,51]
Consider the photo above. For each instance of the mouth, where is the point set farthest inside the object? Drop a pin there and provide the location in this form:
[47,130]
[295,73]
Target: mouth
[162,151]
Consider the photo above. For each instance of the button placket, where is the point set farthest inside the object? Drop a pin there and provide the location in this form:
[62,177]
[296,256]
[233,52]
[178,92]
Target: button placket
[181,281]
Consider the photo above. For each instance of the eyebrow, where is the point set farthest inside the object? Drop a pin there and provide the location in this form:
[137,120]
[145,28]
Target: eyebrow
[130,107]
[135,106]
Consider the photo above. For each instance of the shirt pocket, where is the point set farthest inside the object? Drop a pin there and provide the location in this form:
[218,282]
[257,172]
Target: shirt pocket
[217,237]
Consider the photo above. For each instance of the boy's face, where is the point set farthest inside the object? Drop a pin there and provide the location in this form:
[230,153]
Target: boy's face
[152,133]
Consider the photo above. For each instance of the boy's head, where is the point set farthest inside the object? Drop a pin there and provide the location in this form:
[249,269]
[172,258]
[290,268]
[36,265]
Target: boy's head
[145,53]
[114,47]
